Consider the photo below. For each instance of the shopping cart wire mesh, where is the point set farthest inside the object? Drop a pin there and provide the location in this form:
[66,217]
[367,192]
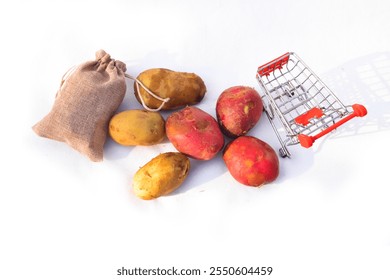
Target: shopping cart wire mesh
[299,106]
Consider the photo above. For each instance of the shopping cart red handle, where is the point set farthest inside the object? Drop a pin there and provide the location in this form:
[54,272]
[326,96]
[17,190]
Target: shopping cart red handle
[277,63]
[307,140]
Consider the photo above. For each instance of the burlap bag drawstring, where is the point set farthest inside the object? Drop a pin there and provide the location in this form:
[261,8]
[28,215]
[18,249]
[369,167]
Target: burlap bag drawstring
[138,83]
[66,75]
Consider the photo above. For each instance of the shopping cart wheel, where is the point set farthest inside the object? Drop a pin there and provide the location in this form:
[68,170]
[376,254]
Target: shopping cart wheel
[282,153]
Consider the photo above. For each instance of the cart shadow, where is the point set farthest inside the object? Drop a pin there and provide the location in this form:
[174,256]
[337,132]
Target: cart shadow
[364,80]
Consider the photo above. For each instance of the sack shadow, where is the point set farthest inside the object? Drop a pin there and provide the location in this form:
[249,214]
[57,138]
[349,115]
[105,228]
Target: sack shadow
[364,80]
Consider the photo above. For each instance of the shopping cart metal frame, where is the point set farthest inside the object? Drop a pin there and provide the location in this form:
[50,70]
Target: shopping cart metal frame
[299,106]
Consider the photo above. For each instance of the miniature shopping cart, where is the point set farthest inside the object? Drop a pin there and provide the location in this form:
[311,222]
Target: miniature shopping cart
[299,106]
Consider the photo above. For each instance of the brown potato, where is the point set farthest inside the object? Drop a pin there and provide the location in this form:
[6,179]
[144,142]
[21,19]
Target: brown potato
[137,127]
[181,88]
[161,176]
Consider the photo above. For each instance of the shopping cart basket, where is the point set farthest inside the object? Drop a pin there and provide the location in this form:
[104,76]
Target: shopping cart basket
[299,106]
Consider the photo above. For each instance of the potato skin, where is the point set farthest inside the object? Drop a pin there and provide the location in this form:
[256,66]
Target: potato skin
[195,133]
[182,88]
[251,162]
[238,110]
[161,176]
[137,127]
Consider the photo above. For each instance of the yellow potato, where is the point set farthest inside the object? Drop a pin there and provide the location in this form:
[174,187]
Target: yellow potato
[161,176]
[181,88]
[137,127]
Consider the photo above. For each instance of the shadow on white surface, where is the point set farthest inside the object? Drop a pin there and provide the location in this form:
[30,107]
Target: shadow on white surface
[114,151]
[364,80]
[203,172]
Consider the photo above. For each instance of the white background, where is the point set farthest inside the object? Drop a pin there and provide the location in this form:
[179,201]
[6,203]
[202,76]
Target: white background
[326,216]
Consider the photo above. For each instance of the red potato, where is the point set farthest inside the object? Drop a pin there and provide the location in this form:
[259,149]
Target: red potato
[238,110]
[251,162]
[194,133]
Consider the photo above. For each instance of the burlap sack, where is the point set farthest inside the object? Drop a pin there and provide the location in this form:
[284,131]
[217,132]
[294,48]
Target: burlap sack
[84,104]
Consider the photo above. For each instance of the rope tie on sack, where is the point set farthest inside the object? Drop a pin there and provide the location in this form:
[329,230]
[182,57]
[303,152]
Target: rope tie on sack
[66,76]
[138,83]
